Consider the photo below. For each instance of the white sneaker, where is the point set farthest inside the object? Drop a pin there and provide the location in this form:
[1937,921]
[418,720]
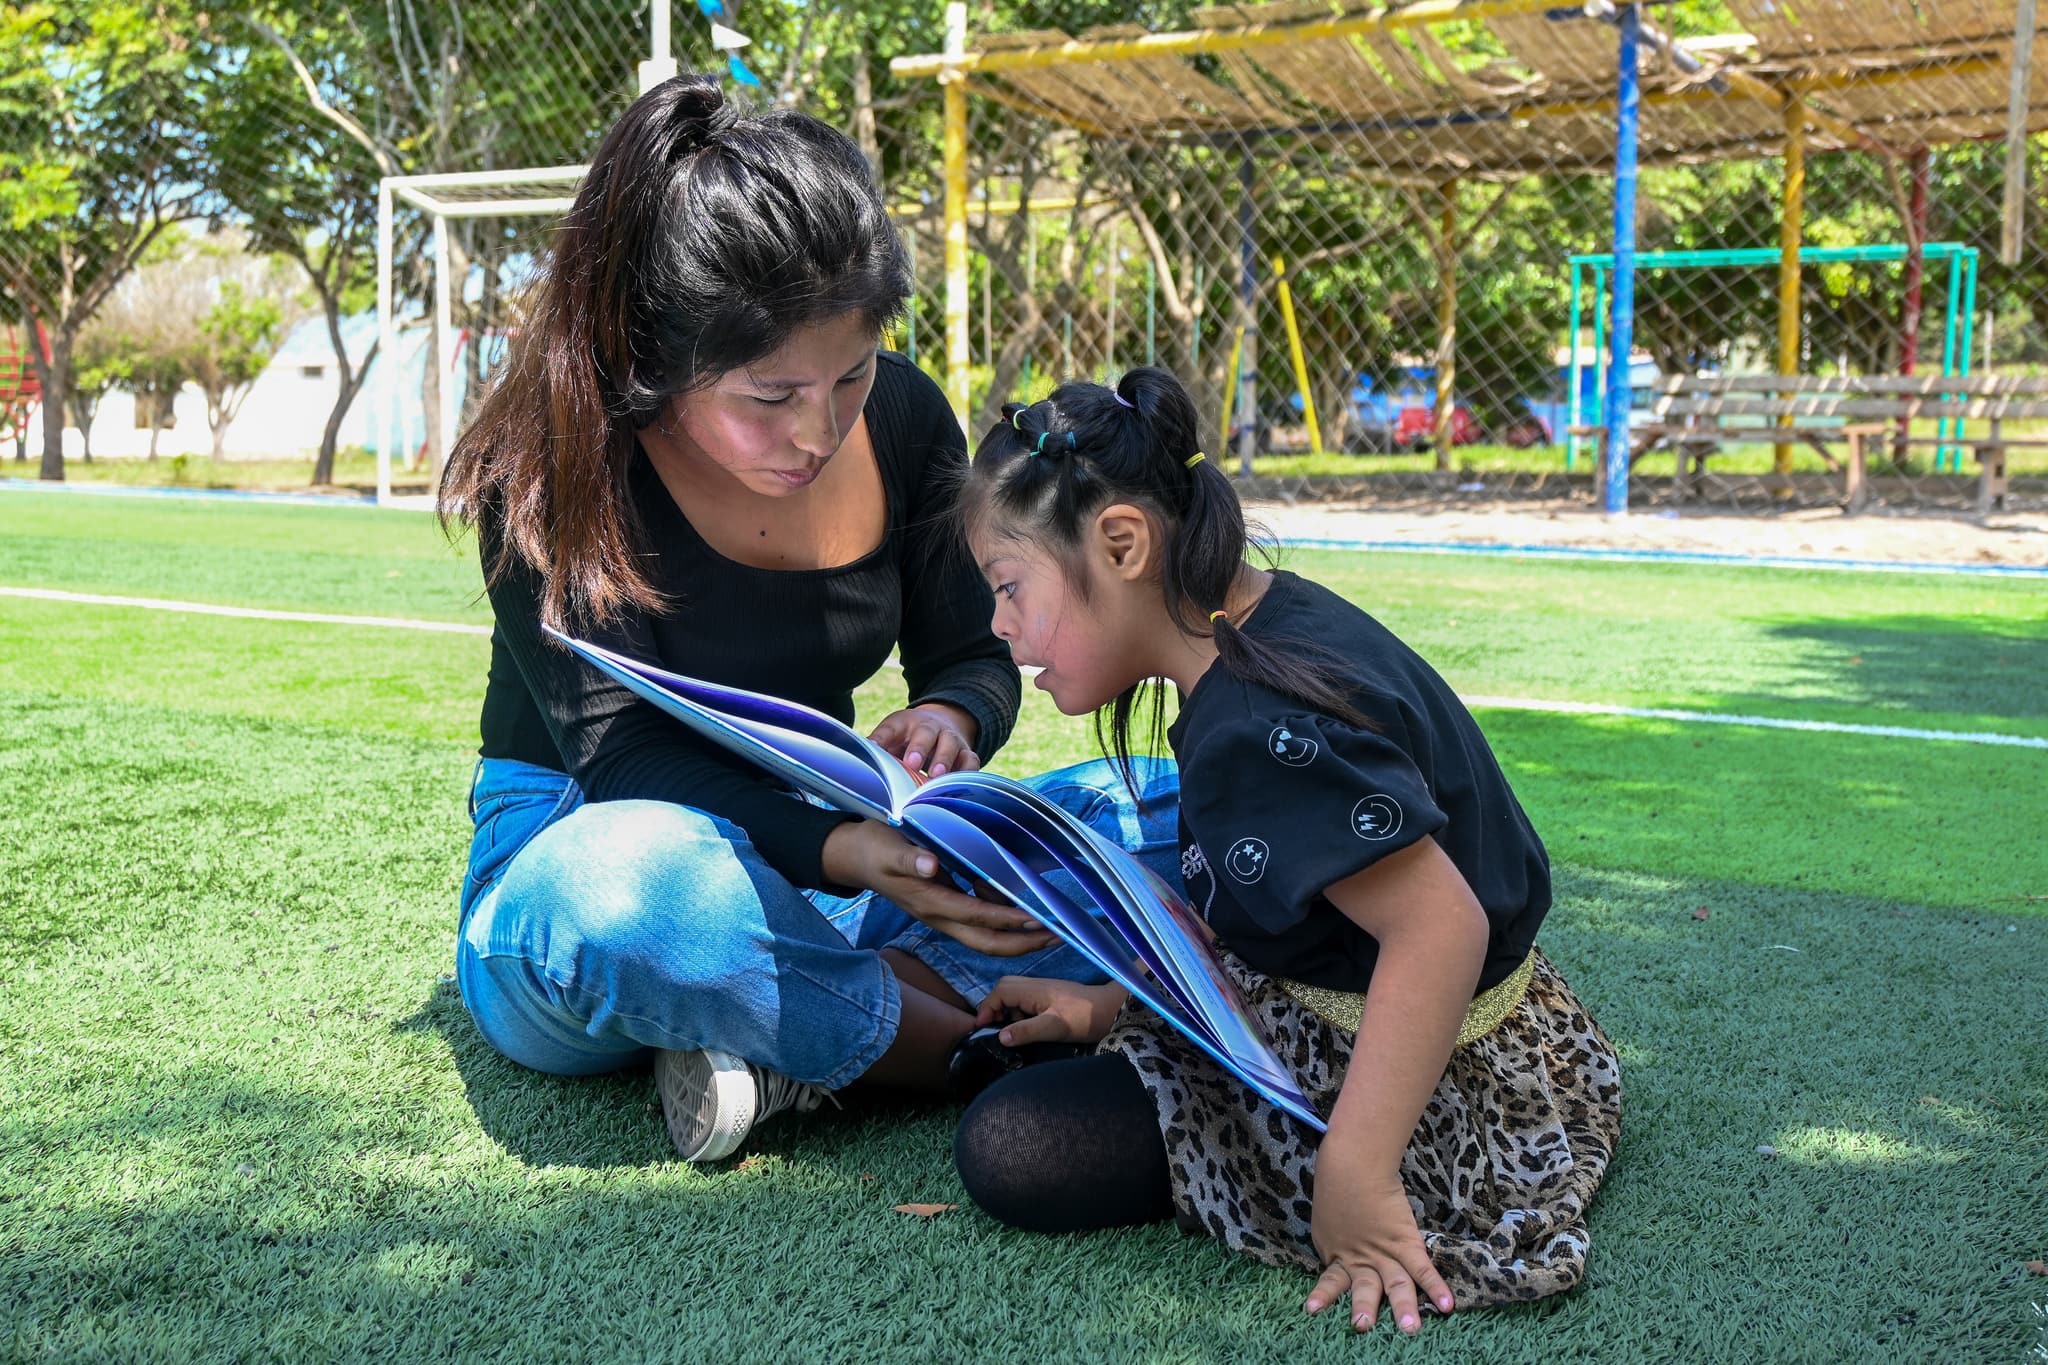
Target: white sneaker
[711,1100]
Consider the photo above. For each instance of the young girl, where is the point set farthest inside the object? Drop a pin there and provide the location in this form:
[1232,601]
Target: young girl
[1354,848]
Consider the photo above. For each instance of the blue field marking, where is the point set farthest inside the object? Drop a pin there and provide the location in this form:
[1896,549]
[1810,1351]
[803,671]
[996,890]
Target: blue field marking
[1596,553]
[1413,547]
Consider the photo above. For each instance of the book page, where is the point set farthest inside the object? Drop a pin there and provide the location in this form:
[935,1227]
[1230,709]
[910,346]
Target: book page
[806,748]
[1154,924]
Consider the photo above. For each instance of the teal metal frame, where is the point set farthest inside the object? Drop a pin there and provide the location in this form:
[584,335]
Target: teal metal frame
[1957,330]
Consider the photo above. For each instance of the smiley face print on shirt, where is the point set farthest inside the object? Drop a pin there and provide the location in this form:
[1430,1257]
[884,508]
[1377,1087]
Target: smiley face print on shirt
[1296,751]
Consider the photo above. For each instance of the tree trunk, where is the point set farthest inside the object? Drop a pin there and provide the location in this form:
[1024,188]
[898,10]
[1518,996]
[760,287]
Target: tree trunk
[430,406]
[82,413]
[55,374]
[864,110]
[219,422]
[350,382]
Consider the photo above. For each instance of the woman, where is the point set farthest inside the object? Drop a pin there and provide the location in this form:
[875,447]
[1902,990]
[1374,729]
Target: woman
[699,457]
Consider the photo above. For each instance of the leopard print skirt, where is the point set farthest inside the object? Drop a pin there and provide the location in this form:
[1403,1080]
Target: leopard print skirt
[1499,1173]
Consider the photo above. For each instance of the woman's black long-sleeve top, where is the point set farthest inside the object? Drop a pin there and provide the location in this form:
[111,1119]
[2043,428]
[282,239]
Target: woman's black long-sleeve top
[810,636]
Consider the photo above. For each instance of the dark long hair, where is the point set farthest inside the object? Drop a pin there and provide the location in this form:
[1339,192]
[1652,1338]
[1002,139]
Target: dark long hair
[701,239]
[1045,470]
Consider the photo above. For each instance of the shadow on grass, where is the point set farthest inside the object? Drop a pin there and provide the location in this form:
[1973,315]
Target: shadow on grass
[600,1122]
[1880,1050]
[1963,664]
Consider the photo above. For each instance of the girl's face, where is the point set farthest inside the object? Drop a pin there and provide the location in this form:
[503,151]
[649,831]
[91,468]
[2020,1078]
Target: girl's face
[774,424]
[1082,644]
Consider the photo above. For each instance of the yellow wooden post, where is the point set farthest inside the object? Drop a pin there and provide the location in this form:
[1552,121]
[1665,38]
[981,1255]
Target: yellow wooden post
[954,85]
[1446,322]
[1790,233]
[1308,399]
[1230,387]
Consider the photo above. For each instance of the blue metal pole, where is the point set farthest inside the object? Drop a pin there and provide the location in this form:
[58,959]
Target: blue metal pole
[1963,351]
[1945,451]
[1627,105]
[1571,445]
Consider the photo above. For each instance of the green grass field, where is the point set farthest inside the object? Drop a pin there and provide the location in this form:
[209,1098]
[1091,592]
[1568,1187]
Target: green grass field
[243,1114]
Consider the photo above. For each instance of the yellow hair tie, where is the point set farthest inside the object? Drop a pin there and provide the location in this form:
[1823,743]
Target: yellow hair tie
[1216,616]
[1196,459]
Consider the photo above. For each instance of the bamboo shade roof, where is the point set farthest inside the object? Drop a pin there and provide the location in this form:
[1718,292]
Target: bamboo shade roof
[1534,91]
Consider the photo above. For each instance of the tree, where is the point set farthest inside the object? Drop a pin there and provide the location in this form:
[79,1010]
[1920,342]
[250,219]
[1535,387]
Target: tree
[303,173]
[103,359]
[237,337]
[106,105]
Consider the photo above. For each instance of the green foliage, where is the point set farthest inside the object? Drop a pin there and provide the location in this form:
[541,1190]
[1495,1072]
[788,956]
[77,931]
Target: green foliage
[241,332]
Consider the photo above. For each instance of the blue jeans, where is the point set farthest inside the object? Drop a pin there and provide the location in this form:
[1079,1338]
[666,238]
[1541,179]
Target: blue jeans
[591,933]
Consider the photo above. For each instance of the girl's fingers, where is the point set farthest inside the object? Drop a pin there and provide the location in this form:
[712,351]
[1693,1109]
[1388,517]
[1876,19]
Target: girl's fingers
[1037,1028]
[1330,1287]
[1401,1300]
[1365,1298]
[1431,1284]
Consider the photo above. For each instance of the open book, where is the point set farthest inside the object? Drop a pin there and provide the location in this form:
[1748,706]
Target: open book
[996,832]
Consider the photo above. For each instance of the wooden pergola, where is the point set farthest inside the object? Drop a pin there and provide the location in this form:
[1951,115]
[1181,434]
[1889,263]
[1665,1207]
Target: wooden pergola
[1597,88]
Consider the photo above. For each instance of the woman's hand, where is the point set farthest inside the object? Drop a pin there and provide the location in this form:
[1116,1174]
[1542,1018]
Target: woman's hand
[932,739]
[870,854]
[1042,1010]
[1371,1249]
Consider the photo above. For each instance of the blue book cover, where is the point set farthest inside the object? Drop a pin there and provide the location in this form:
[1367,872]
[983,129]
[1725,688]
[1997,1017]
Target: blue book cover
[995,832]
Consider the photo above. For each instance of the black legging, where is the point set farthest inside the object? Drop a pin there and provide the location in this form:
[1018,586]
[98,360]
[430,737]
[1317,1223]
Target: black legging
[1067,1146]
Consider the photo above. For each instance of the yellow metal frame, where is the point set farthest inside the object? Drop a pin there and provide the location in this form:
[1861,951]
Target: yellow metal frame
[958,326]
[1190,42]
[1308,399]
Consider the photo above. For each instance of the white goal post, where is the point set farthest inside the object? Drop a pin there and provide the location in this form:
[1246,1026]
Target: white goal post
[536,191]
[531,192]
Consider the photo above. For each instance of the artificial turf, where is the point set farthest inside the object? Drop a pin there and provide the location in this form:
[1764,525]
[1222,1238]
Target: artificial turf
[243,1115]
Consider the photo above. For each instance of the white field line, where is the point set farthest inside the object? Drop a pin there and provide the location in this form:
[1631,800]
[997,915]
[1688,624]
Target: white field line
[247,613]
[1562,708]
[1590,708]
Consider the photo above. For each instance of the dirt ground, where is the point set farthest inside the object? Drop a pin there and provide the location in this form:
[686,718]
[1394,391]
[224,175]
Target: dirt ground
[2003,538]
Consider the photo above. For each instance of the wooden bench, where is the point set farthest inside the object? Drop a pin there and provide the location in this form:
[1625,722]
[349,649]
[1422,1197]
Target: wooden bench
[1697,415]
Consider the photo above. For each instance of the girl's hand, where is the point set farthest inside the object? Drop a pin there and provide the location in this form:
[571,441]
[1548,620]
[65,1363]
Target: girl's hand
[932,740]
[1371,1248]
[1042,1010]
[867,853]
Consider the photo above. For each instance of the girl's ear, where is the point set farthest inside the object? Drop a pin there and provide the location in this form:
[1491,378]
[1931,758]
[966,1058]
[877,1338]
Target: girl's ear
[1124,542]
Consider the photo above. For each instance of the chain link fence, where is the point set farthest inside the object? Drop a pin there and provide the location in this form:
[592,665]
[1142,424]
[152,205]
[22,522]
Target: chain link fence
[1362,235]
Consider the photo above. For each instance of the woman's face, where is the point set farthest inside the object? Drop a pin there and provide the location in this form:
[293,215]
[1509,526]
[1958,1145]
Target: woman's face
[773,424]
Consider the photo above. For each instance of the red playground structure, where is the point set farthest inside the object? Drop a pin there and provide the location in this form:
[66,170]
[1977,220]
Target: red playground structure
[20,391]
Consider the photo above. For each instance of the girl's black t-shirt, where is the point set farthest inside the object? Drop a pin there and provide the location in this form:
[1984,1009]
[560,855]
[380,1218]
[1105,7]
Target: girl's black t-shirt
[1279,802]
[809,636]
